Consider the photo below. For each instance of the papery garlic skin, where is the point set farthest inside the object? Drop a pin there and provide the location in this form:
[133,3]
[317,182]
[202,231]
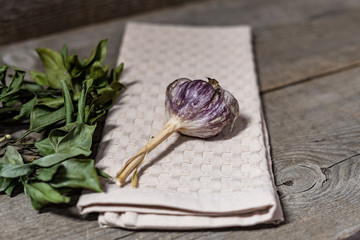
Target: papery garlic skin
[204,108]
[194,108]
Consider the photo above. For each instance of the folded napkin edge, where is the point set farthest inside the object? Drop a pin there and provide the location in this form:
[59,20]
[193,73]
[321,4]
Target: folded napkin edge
[237,202]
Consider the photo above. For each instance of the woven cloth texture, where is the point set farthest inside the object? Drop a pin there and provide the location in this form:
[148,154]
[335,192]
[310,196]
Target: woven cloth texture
[185,183]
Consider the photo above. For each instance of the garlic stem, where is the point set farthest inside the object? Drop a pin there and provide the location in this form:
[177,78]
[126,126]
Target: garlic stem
[134,163]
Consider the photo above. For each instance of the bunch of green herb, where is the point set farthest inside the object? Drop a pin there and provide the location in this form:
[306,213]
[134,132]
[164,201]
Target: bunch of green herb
[64,101]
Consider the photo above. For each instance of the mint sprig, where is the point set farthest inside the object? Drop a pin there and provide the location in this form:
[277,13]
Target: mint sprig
[65,101]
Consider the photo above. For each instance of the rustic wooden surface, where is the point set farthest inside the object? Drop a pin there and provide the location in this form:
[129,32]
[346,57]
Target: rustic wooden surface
[30,19]
[308,56]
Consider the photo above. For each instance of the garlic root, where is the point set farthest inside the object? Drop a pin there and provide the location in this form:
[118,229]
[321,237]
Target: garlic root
[135,162]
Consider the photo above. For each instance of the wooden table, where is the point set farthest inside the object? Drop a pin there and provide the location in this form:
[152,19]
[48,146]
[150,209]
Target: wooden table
[308,55]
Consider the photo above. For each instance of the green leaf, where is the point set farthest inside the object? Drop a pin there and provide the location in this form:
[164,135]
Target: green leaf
[81,106]
[98,54]
[72,140]
[11,156]
[98,114]
[115,74]
[13,171]
[98,74]
[106,97]
[55,69]
[39,78]
[77,173]
[42,193]
[31,87]
[3,70]
[82,101]
[14,86]
[50,58]
[55,76]
[103,174]
[42,117]
[117,86]
[69,108]
[45,147]
[46,174]
[26,109]
[64,53]
[5,183]
[74,66]
[75,139]
[11,187]
[52,159]
[83,61]
[88,112]
[51,102]
[12,165]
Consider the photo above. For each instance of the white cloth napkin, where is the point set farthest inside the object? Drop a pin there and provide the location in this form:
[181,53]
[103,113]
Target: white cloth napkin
[185,183]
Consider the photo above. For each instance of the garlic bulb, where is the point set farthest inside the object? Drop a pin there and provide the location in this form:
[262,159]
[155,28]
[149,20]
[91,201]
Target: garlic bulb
[194,108]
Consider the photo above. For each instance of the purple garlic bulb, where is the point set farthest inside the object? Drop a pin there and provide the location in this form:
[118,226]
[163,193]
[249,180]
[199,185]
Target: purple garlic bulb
[204,108]
[195,108]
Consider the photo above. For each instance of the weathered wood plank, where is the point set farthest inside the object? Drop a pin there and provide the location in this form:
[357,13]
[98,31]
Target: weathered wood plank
[315,131]
[23,20]
[293,41]
[296,52]
[314,125]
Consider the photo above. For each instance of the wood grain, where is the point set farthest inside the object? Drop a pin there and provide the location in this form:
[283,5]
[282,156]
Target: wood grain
[293,41]
[23,20]
[306,53]
[314,132]
[322,45]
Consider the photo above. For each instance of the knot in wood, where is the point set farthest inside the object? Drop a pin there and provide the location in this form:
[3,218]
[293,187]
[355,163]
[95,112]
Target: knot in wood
[299,179]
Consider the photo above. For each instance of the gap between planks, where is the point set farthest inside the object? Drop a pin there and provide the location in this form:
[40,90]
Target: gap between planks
[314,77]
